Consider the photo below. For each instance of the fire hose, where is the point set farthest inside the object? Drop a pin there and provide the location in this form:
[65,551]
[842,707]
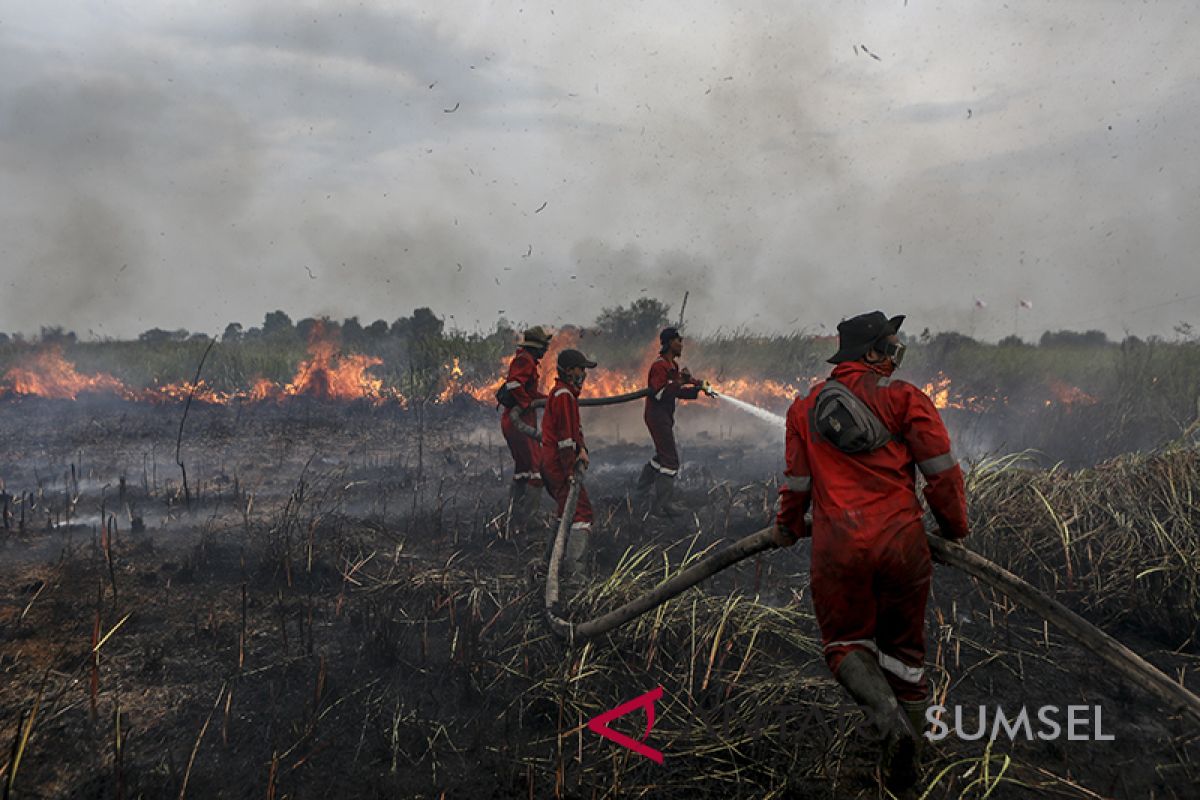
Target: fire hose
[530,430]
[1123,660]
[602,401]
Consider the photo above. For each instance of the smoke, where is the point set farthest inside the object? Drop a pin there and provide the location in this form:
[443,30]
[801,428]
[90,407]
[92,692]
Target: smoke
[183,166]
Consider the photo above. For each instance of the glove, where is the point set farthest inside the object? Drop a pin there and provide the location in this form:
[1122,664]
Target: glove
[783,537]
[706,387]
[686,374]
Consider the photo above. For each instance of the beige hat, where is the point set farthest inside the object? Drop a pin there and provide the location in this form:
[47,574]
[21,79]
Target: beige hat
[535,337]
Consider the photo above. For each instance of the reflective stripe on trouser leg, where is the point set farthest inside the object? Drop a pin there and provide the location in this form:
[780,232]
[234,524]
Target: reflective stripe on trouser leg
[889,664]
[526,453]
[660,468]
[666,456]
[559,487]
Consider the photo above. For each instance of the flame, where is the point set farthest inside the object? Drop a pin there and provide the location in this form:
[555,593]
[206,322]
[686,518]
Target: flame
[944,395]
[329,374]
[939,391]
[1069,395]
[455,385]
[46,373]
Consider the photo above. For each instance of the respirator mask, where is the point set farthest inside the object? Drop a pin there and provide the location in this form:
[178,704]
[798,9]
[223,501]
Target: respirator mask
[572,380]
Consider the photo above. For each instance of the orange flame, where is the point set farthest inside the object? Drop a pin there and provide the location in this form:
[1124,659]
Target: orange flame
[46,373]
[1070,395]
[329,374]
[943,394]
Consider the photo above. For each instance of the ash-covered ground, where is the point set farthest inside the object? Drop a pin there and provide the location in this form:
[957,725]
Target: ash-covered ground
[336,606]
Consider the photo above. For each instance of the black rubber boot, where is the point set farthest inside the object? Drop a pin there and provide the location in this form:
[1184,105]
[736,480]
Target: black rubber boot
[915,711]
[516,500]
[645,482]
[531,504]
[664,491]
[859,672]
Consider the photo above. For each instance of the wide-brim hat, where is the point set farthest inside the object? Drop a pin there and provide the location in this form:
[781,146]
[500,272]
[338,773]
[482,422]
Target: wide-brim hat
[857,335]
[535,337]
[574,358]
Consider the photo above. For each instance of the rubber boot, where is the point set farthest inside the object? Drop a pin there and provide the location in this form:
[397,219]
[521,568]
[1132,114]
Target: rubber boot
[573,573]
[664,490]
[859,672]
[645,482]
[531,504]
[516,500]
[915,711]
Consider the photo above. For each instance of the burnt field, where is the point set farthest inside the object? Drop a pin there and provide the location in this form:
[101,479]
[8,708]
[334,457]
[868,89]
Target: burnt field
[336,607]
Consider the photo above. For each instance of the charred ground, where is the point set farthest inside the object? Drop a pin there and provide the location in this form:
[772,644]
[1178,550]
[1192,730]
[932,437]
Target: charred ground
[341,609]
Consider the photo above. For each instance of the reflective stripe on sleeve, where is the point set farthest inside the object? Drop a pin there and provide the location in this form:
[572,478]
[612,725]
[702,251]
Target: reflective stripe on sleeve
[562,391]
[512,384]
[932,466]
[798,483]
[563,444]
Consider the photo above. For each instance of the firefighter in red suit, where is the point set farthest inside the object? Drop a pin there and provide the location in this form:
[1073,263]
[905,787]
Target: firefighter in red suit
[519,423]
[870,558]
[563,449]
[667,383]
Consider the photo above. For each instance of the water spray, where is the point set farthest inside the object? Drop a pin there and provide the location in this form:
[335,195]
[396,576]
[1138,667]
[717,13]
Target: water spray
[750,408]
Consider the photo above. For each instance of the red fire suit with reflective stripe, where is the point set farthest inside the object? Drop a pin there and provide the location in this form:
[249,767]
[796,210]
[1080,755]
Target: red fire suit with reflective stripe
[870,560]
[562,442]
[666,385]
[522,382]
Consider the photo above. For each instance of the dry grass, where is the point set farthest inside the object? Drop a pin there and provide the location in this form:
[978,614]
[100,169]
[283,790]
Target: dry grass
[1119,541]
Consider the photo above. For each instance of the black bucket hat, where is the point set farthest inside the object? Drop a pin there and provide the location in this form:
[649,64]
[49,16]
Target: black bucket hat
[574,358]
[857,334]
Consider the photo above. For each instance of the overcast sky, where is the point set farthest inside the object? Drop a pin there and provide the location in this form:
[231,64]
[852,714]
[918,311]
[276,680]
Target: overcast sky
[187,164]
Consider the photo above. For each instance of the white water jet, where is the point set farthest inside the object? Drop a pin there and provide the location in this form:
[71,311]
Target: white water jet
[761,413]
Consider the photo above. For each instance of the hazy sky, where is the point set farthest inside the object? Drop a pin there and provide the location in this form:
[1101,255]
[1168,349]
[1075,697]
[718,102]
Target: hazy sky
[187,164]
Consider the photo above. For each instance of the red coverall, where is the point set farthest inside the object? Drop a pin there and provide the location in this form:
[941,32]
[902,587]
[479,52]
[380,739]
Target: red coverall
[666,385]
[562,441]
[522,381]
[870,560]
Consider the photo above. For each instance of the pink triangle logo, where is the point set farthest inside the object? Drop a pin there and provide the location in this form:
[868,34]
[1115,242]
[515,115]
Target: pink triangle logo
[600,724]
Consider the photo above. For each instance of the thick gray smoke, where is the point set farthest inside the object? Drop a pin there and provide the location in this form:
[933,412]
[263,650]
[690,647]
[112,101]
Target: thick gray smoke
[176,165]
